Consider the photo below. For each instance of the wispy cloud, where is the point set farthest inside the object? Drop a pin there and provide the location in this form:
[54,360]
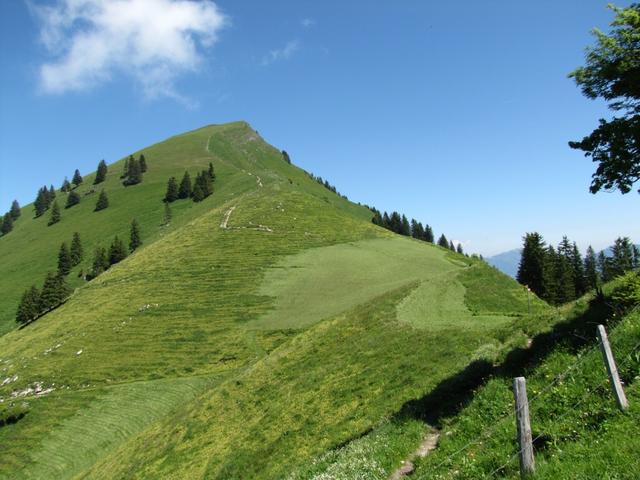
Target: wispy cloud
[151,41]
[281,54]
[307,22]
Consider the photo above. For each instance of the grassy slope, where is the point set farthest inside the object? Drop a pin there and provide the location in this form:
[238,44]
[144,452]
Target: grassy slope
[289,395]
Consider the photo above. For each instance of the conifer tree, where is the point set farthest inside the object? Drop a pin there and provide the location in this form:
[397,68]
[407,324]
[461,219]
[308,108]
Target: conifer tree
[54,292]
[622,256]
[286,157]
[41,203]
[65,263]
[134,175]
[428,234]
[7,223]
[125,170]
[134,236]
[100,261]
[103,201]
[15,210]
[443,242]
[66,186]
[143,163]
[72,199]
[386,221]
[52,194]
[405,229]
[29,307]
[636,257]
[550,276]
[77,178]
[212,173]
[185,186]
[459,249]
[167,214]
[117,251]
[592,279]
[579,279]
[452,247]
[377,217]
[55,213]
[604,265]
[172,190]
[101,173]
[417,231]
[76,250]
[395,222]
[198,193]
[532,263]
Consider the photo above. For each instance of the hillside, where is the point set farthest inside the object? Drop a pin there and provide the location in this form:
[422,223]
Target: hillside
[266,325]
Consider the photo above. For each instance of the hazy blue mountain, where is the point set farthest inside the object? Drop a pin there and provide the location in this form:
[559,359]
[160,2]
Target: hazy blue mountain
[506,262]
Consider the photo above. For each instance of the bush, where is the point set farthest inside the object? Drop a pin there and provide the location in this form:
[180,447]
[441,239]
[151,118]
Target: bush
[626,295]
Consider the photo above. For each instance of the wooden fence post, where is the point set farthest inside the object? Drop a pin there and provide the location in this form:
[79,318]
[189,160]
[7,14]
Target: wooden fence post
[614,378]
[525,442]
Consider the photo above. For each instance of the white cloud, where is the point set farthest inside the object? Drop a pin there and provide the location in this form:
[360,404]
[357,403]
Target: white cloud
[281,54]
[152,41]
[308,22]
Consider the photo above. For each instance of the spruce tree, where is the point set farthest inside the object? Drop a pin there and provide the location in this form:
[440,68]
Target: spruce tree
[54,291]
[101,173]
[76,250]
[134,236]
[103,201]
[452,247]
[604,265]
[428,234]
[622,256]
[592,278]
[77,178]
[15,210]
[100,261]
[550,276]
[66,186]
[386,221]
[198,194]
[65,263]
[134,176]
[125,170]
[55,213]
[29,307]
[52,194]
[41,203]
[167,214]
[636,257]
[185,186]
[405,229]
[117,251]
[72,199]
[459,249]
[143,163]
[579,279]
[172,190]
[443,242]
[7,223]
[286,157]
[532,263]
[396,222]
[212,173]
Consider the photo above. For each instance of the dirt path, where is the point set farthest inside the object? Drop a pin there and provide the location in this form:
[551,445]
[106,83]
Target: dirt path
[427,445]
[225,221]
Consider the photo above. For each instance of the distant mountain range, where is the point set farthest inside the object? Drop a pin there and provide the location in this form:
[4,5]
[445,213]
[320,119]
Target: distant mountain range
[507,262]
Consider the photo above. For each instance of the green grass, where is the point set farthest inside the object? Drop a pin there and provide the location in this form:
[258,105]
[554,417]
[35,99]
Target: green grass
[322,325]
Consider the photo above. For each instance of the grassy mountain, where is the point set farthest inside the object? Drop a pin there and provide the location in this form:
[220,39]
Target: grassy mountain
[266,325]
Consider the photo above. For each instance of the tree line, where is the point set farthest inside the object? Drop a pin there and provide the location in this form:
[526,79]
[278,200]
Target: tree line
[198,191]
[561,274]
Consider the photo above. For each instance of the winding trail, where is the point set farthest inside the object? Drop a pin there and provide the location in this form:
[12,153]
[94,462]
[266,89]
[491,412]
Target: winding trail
[225,221]
[428,444]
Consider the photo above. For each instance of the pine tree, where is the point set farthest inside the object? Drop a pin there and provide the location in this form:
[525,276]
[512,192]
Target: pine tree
[532,263]
[405,229]
[103,201]
[117,251]
[604,265]
[386,221]
[579,279]
[592,278]
[636,257]
[428,234]
[76,250]
[550,276]
[29,307]
[203,187]
[396,222]
[212,173]
[100,261]
[7,223]
[65,263]
[417,231]
[125,170]
[54,291]
[101,173]
[134,236]
[66,186]
[77,178]
[172,190]
[452,247]
[52,194]
[286,157]
[185,186]
[459,249]
[622,256]
[167,214]
[143,163]
[72,199]
[41,203]
[15,210]
[198,193]
[134,176]
[55,213]
[443,242]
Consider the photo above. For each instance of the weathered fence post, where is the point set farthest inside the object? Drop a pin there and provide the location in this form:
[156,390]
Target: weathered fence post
[525,442]
[618,391]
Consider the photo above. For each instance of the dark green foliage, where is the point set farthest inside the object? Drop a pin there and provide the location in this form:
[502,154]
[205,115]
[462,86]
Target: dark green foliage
[7,224]
[76,250]
[172,190]
[55,213]
[134,173]
[77,178]
[459,249]
[54,292]
[167,214]
[15,210]
[117,251]
[125,170]
[143,163]
[612,72]
[627,293]
[100,261]
[72,199]
[203,186]
[417,230]
[65,263]
[101,173]
[29,307]
[185,186]
[452,247]
[286,157]
[198,193]
[66,186]
[134,235]
[443,242]
[604,265]
[579,278]
[42,201]
[622,259]
[52,193]
[532,263]
[591,275]
[428,234]
[103,201]
[212,172]
[405,228]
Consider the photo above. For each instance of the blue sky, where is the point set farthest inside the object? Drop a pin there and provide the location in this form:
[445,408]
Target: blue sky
[455,113]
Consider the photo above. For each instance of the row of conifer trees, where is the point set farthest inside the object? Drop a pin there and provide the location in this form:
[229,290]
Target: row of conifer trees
[201,188]
[561,274]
